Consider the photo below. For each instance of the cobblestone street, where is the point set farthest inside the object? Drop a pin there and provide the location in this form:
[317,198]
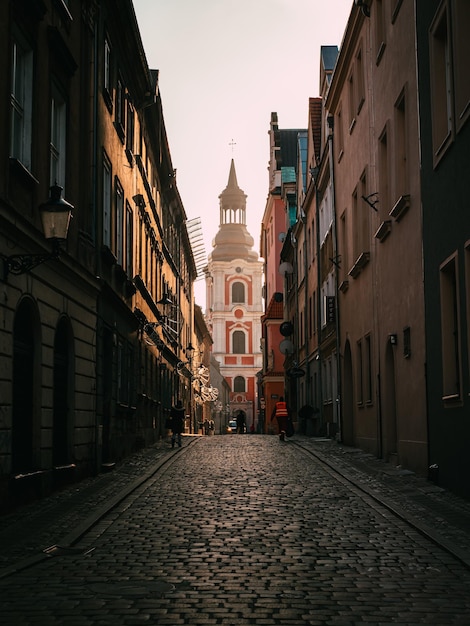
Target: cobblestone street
[243,530]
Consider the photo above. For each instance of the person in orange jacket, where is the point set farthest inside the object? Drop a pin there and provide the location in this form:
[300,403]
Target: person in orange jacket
[281,413]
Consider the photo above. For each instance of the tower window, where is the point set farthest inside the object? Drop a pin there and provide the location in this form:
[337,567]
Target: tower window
[239,384]
[238,292]
[238,342]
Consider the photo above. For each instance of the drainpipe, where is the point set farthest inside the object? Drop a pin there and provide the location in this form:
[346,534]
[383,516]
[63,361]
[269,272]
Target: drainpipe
[330,121]
[319,355]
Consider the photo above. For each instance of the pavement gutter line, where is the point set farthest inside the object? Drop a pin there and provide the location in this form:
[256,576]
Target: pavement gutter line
[79,531]
[425,530]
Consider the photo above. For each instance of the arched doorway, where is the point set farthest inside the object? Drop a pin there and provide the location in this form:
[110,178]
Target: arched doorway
[25,390]
[348,400]
[62,394]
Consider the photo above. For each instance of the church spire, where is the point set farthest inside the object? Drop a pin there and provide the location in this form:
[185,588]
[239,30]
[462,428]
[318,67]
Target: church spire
[233,241]
[232,201]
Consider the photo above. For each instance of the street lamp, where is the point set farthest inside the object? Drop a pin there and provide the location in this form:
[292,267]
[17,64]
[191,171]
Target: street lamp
[55,217]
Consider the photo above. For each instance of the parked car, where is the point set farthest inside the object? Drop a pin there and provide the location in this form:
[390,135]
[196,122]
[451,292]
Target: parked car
[232,426]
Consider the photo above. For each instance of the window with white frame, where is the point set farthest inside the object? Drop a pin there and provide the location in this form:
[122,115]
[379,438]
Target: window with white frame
[21,101]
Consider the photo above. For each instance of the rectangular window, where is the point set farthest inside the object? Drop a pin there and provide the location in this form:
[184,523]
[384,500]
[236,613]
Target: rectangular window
[120,109]
[380,38]
[130,129]
[461,55]
[440,65]
[352,102]
[450,331]
[107,76]
[360,375]
[129,240]
[58,138]
[368,369]
[119,226]
[384,176]
[401,148]
[339,133]
[21,102]
[360,88]
[106,203]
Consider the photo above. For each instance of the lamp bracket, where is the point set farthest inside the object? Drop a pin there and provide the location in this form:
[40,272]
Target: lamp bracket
[18,264]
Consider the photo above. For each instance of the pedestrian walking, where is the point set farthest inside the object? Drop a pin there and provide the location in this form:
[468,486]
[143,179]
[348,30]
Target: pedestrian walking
[284,422]
[240,422]
[176,423]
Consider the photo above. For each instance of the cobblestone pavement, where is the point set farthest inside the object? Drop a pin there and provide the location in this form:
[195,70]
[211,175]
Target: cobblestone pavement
[239,530]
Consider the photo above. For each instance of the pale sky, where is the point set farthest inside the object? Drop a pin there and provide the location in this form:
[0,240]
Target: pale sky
[224,66]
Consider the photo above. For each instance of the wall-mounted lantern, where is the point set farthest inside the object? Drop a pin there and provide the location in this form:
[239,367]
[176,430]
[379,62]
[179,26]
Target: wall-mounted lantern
[55,217]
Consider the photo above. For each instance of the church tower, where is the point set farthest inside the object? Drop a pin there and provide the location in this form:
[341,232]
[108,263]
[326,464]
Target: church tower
[234,302]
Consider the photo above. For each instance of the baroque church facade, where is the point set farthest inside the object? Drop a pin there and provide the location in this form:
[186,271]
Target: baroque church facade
[234,302]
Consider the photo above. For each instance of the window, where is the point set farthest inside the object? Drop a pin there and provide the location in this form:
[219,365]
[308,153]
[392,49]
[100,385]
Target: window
[107,89]
[380,39]
[440,64]
[21,102]
[401,148]
[129,240]
[352,102]
[384,175]
[130,129]
[238,292]
[119,226]
[360,88]
[58,138]
[239,384]
[106,202]
[461,54]
[368,369]
[339,133]
[120,112]
[450,331]
[360,374]
[238,342]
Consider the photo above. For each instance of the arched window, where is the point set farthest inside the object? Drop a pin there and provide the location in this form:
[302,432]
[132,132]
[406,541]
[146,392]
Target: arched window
[238,292]
[238,342]
[239,384]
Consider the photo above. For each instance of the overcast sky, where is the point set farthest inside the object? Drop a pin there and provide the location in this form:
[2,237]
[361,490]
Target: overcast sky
[224,66]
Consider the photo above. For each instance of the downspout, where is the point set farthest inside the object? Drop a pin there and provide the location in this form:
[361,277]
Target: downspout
[319,355]
[94,202]
[336,264]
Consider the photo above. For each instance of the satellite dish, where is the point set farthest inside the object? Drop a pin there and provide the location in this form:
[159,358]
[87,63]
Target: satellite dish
[286,346]
[286,268]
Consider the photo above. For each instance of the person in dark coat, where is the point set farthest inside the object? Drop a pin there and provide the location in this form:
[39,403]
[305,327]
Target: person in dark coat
[177,423]
[240,422]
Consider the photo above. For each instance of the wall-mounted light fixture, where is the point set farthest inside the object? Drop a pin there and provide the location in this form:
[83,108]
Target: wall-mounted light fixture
[55,217]
[393,339]
[362,4]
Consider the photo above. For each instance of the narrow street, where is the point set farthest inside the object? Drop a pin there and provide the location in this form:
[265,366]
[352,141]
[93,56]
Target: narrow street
[239,530]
